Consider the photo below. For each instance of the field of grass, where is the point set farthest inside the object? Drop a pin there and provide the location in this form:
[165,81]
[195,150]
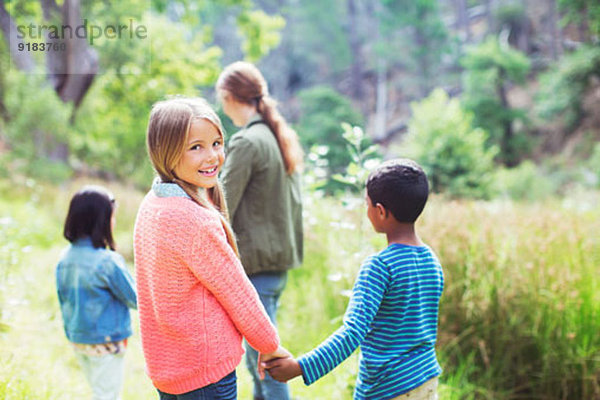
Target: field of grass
[520,314]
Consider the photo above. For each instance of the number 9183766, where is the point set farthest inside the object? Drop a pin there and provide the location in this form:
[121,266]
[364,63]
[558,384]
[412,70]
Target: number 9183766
[42,46]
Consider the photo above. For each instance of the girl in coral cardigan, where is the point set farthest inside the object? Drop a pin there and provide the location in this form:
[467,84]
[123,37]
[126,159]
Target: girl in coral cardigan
[195,301]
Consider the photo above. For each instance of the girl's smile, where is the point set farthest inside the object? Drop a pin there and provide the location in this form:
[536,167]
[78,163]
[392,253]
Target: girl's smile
[202,156]
[211,172]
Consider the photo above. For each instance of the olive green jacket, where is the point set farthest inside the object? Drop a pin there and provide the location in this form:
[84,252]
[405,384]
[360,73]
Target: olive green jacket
[264,202]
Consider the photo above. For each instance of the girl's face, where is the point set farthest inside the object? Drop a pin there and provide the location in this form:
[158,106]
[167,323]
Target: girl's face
[203,155]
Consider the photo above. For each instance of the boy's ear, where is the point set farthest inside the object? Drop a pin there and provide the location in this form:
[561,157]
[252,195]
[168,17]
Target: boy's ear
[381,210]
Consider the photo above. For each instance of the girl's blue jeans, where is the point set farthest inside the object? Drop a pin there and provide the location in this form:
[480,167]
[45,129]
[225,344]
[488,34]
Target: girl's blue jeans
[225,389]
[269,287]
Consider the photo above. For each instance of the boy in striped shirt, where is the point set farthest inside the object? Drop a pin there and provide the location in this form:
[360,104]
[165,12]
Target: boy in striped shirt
[393,311]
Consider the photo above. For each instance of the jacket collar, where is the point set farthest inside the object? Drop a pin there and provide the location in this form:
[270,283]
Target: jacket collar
[83,242]
[256,118]
[168,189]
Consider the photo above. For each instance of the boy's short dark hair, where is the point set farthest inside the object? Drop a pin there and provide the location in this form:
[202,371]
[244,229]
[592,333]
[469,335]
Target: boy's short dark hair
[89,215]
[401,186]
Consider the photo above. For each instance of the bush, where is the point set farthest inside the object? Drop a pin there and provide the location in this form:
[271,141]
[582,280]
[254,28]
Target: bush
[453,154]
[490,68]
[38,131]
[322,111]
[524,182]
[556,176]
[593,166]
[562,88]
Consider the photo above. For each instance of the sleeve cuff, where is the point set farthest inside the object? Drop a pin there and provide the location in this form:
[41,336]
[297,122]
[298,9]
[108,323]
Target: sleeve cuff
[306,375]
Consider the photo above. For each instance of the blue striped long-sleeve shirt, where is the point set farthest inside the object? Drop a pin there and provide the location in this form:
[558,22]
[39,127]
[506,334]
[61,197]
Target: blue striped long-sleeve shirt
[392,315]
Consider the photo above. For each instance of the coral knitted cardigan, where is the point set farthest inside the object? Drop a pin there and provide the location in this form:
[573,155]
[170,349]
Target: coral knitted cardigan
[195,301]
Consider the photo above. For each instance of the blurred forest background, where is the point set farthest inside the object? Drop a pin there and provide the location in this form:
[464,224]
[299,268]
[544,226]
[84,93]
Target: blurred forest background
[521,83]
[499,100]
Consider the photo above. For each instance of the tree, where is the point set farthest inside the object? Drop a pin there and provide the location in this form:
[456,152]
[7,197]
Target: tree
[112,122]
[585,14]
[427,35]
[454,154]
[563,86]
[70,71]
[489,70]
[513,23]
[462,18]
[355,42]
[108,133]
[322,111]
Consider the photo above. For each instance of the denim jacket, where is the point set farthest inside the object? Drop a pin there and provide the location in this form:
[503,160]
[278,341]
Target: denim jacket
[95,292]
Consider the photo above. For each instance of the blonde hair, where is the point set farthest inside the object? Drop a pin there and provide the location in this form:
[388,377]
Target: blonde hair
[247,85]
[167,135]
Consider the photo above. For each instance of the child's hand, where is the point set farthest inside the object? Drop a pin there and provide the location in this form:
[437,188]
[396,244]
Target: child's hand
[283,369]
[280,353]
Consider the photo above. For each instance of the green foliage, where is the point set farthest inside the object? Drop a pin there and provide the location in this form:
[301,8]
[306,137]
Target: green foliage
[322,111]
[126,54]
[38,130]
[260,32]
[581,12]
[490,67]
[512,15]
[22,229]
[562,88]
[508,267]
[257,32]
[316,39]
[363,154]
[593,165]
[525,182]
[427,42]
[554,177]
[107,133]
[519,315]
[453,153]
[507,63]
[113,117]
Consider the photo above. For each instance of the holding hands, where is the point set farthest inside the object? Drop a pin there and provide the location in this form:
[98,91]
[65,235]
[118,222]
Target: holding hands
[281,365]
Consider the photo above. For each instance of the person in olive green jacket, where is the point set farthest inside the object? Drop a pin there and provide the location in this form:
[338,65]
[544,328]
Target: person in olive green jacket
[261,178]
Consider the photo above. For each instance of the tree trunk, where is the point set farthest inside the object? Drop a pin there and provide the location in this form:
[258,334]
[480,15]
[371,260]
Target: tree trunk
[71,71]
[356,69]
[381,100]
[22,59]
[489,12]
[423,63]
[506,142]
[555,34]
[380,118]
[462,19]
[583,26]
[3,110]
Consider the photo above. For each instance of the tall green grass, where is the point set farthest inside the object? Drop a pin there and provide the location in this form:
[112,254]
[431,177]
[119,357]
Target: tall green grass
[522,300]
[519,315]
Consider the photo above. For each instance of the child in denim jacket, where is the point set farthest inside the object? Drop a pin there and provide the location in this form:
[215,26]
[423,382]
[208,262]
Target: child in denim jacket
[95,291]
